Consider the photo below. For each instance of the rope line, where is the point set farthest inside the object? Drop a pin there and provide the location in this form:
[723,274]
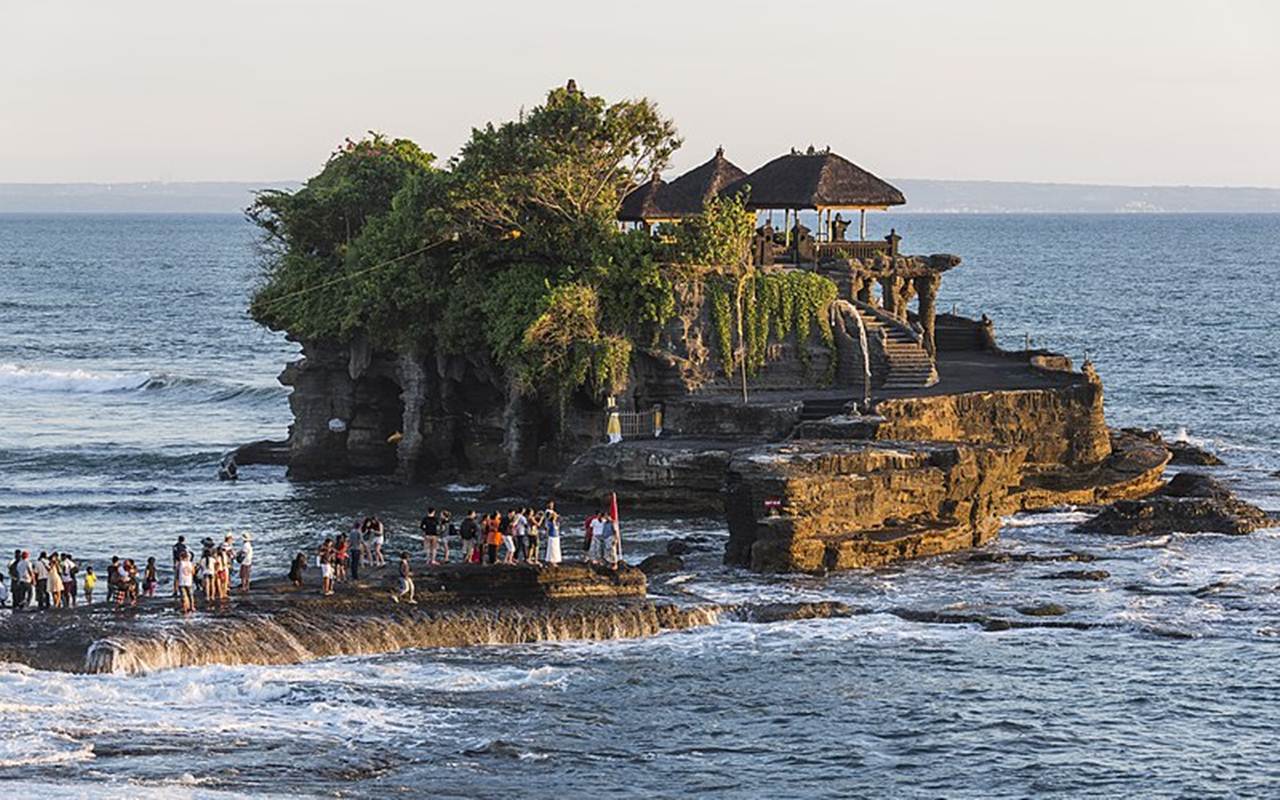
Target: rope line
[351,275]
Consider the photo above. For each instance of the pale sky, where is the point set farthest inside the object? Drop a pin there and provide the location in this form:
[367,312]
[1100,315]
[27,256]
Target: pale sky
[1122,91]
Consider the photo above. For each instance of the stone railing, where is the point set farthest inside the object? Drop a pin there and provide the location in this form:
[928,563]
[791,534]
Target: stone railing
[859,250]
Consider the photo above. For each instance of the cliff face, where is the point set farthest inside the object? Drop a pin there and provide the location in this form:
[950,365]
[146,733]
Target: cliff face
[458,414]
[808,506]
[1054,426]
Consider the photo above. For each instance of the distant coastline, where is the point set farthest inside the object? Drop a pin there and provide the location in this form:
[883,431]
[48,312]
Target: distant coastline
[925,196]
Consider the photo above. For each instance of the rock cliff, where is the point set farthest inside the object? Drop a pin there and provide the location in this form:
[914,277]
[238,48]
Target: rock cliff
[809,506]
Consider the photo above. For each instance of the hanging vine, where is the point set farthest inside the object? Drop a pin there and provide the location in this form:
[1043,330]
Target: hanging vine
[775,305]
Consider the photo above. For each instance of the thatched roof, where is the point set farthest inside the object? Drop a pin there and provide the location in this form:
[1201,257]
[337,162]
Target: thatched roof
[642,202]
[683,197]
[686,195]
[813,180]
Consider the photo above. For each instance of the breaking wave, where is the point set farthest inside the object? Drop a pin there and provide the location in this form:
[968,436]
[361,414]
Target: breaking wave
[17,377]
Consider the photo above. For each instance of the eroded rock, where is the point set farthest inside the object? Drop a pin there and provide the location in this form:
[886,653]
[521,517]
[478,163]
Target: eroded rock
[658,564]
[781,612]
[1189,504]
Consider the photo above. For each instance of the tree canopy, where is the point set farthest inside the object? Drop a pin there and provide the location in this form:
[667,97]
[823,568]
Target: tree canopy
[510,254]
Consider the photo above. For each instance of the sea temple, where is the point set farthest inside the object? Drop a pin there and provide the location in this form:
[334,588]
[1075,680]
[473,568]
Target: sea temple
[811,393]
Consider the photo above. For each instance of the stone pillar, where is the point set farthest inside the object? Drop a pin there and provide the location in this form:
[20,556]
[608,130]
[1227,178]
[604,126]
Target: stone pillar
[862,287]
[927,311]
[413,397]
[889,293]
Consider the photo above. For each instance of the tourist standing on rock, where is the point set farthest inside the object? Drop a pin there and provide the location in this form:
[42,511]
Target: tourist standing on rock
[359,538]
[27,576]
[326,571]
[245,557]
[506,524]
[551,522]
[208,568]
[150,578]
[179,548]
[54,572]
[406,583]
[430,527]
[520,534]
[535,534]
[4,593]
[492,537]
[355,549]
[69,571]
[595,553]
[42,581]
[14,581]
[296,569]
[448,530]
[90,582]
[379,532]
[341,554]
[468,532]
[184,580]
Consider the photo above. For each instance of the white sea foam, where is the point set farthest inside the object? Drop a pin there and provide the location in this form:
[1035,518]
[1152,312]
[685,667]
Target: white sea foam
[465,488]
[1029,520]
[35,379]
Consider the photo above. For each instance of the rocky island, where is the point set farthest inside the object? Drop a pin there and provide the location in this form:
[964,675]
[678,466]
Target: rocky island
[663,340]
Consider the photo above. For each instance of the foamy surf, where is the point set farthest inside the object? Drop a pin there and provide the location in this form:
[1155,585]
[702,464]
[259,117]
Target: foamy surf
[80,381]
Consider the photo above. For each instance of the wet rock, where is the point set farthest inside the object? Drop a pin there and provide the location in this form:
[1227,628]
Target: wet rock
[1024,558]
[781,612]
[1162,513]
[1076,575]
[1191,484]
[265,451]
[1187,454]
[1042,610]
[689,544]
[659,564]
[684,474]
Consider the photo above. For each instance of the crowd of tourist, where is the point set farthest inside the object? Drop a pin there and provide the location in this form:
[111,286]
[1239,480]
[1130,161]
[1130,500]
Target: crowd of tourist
[520,535]
[54,580]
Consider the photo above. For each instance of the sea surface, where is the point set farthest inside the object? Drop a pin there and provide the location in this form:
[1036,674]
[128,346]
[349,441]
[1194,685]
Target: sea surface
[128,367]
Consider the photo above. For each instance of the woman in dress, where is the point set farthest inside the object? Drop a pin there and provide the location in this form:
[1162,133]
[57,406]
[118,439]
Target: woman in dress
[551,522]
[55,581]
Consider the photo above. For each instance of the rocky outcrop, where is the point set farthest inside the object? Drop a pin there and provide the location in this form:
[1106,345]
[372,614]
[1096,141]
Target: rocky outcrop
[1189,504]
[683,474]
[1062,425]
[1134,468]
[813,506]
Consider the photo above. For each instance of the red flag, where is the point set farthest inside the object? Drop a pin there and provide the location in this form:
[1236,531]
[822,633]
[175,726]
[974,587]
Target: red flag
[613,508]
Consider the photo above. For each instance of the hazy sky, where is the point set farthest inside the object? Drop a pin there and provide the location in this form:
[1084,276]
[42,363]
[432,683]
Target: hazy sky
[1120,91]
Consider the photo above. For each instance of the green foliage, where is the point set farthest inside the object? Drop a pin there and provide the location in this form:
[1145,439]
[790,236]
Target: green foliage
[375,201]
[512,255]
[722,317]
[774,305]
[563,349]
[636,297]
[719,236]
[556,176]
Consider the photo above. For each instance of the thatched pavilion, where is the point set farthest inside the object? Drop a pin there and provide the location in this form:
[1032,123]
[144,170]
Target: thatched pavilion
[659,201]
[821,181]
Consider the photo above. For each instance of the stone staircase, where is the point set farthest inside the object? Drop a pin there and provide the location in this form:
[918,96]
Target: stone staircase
[822,407]
[910,366]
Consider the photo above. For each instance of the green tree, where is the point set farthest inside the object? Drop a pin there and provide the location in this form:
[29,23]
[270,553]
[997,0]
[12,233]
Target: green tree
[555,177]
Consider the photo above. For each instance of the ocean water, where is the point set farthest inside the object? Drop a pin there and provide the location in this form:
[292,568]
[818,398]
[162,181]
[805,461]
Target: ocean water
[128,367]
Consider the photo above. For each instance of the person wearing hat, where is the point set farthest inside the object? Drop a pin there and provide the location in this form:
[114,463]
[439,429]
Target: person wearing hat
[245,557]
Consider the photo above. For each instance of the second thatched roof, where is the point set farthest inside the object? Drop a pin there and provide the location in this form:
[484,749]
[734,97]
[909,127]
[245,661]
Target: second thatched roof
[683,197]
[816,180]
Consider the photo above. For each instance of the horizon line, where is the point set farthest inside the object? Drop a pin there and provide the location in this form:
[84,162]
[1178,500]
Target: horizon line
[269,183]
